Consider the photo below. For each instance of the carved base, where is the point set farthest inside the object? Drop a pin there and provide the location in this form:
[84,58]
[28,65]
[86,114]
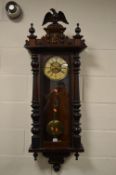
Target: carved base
[56,158]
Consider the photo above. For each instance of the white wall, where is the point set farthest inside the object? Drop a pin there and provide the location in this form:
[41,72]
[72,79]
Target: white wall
[97,19]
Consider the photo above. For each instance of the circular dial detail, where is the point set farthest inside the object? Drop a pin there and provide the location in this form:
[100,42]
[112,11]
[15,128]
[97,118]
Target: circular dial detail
[56,68]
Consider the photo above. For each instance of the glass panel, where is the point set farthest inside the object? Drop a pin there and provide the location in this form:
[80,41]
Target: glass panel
[55,108]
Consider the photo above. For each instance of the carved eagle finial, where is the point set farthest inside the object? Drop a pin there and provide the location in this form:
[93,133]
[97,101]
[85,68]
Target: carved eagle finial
[54,17]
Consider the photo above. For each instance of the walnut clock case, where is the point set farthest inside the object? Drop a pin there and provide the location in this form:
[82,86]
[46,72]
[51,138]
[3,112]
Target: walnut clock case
[55,99]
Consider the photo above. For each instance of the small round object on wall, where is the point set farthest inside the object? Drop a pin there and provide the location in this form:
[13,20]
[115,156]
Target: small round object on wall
[13,10]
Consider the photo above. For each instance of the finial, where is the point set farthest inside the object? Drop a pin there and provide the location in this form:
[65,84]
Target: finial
[32,31]
[35,155]
[76,155]
[78,31]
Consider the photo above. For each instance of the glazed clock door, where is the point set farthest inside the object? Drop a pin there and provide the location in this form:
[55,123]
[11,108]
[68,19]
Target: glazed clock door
[55,97]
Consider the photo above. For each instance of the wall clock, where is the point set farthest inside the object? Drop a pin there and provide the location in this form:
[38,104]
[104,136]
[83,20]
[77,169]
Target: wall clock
[55,99]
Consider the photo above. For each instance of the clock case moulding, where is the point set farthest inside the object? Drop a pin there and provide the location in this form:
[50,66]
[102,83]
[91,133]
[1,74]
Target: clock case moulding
[55,41]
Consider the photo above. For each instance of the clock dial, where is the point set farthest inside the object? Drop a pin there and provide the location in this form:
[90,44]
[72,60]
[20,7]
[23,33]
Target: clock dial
[56,68]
